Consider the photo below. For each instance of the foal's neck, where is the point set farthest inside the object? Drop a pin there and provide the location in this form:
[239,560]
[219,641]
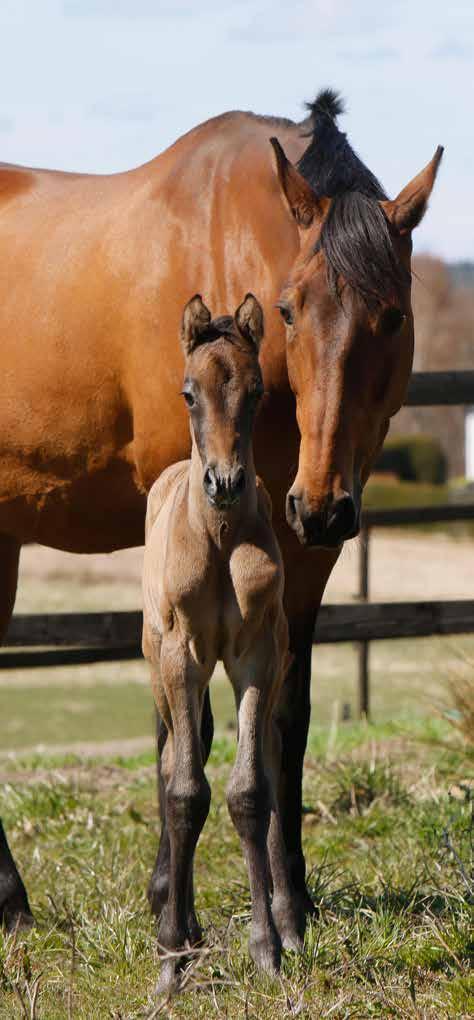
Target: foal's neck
[220,525]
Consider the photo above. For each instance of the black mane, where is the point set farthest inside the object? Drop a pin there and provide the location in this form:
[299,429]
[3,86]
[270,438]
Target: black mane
[355,236]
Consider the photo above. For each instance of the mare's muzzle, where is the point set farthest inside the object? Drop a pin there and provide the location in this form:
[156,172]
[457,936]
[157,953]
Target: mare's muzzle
[328,527]
[223,489]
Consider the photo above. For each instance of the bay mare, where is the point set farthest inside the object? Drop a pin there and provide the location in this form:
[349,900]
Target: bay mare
[94,273]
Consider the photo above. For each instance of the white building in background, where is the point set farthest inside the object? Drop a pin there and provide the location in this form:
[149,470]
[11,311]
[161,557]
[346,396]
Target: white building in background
[469,444]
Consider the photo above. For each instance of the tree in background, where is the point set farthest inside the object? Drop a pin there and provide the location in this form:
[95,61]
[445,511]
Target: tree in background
[444,341]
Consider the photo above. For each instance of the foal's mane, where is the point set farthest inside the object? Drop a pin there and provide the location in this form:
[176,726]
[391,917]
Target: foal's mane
[355,236]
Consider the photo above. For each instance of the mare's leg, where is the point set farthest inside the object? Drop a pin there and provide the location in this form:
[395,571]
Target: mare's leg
[249,793]
[288,912]
[187,795]
[293,720]
[14,906]
[158,887]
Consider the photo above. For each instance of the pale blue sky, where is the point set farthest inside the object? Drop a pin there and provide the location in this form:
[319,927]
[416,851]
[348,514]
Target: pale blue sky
[103,85]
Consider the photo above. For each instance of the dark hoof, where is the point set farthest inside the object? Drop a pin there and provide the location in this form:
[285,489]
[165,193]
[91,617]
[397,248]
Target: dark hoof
[290,923]
[266,953]
[15,913]
[195,931]
[17,920]
[14,907]
[305,905]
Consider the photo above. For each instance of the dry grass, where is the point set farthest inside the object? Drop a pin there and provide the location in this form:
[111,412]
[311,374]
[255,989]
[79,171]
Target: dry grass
[390,851]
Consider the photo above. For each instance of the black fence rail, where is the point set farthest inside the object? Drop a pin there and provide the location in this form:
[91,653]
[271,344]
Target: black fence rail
[62,639]
[108,637]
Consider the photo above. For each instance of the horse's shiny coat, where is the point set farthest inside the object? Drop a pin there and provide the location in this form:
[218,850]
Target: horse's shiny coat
[94,273]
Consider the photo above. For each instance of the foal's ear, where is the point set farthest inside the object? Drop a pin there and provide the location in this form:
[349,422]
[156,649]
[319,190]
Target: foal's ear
[407,210]
[249,320]
[304,205]
[195,323]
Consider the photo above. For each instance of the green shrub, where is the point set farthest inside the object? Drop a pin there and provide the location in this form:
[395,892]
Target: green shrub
[416,458]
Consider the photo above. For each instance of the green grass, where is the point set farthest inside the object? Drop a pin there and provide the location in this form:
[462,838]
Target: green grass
[387,494]
[393,495]
[393,936]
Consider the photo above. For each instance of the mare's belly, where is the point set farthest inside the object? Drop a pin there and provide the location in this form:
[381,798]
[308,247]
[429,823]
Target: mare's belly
[95,512]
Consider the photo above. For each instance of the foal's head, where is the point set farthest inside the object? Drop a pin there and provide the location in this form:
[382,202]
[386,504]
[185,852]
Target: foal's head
[222,389]
[347,308]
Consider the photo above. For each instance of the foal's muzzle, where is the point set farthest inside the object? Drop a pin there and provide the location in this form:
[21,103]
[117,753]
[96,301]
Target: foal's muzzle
[328,527]
[223,489]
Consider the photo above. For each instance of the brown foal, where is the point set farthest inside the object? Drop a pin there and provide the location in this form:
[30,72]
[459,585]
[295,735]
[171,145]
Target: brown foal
[212,589]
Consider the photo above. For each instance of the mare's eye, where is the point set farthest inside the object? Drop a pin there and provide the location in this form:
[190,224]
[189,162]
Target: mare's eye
[286,314]
[393,320]
[189,398]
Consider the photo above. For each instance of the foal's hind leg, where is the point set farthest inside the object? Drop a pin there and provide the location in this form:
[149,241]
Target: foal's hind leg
[249,794]
[159,882]
[14,906]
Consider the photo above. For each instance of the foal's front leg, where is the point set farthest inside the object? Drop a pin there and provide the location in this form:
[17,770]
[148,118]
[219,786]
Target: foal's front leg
[187,795]
[159,881]
[249,799]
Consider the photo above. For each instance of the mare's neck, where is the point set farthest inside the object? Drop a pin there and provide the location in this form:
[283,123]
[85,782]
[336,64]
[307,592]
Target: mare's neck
[220,525]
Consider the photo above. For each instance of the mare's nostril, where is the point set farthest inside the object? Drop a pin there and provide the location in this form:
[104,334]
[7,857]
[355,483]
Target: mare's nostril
[342,519]
[291,506]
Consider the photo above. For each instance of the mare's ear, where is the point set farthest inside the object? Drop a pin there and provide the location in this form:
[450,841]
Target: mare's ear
[407,210]
[249,320]
[195,323]
[304,205]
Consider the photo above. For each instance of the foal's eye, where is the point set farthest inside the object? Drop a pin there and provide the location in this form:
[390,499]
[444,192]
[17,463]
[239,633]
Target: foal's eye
[393,320]
[189,398]
[286,314]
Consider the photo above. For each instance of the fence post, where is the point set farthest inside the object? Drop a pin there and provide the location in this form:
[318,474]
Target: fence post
[364,685]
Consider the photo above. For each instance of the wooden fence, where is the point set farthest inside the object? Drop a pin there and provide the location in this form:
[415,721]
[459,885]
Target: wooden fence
[69,638]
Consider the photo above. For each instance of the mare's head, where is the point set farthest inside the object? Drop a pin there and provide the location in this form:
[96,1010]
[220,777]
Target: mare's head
[222,389]
[347,308]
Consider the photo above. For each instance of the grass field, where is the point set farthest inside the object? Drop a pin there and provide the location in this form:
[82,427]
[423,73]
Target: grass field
[387,836]
[387,826]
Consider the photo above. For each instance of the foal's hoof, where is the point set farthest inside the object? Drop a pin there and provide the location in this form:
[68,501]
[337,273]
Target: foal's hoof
[290,923]
[168,980]
[266,953]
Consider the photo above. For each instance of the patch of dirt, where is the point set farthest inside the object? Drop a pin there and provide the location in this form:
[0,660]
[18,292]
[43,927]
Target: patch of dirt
[40,562]
[108,748]
[403,565]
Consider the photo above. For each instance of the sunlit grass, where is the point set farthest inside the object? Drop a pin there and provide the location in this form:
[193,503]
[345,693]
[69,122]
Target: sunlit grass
[393,936]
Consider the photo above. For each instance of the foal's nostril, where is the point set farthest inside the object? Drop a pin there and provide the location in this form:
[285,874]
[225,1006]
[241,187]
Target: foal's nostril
[210,481]
[238,482]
